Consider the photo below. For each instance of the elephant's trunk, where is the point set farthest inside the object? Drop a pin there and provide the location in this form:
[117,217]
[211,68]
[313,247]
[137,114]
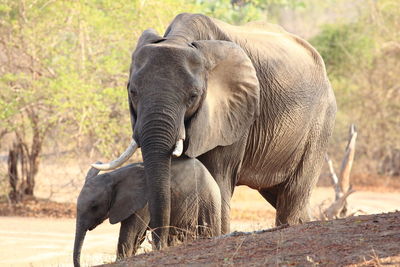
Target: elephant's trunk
[157,170]
[80,233]
[157,139]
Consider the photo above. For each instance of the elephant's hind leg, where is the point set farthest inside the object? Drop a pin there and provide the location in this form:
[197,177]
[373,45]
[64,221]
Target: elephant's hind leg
[293,206]
[291,211]
[293,199]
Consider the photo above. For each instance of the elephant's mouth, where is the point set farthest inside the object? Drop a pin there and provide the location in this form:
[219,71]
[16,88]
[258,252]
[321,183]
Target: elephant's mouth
[90,228]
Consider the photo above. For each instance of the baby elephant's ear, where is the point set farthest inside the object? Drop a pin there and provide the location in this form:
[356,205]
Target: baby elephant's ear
[130,195]
[92,172]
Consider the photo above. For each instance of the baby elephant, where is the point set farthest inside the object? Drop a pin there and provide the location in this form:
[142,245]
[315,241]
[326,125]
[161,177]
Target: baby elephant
[122,196]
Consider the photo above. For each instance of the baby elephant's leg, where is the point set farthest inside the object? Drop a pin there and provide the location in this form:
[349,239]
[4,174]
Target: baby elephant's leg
[132,233]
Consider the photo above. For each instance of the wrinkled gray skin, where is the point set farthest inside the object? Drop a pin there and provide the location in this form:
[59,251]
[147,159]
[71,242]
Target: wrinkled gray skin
[253,103]
[121,196]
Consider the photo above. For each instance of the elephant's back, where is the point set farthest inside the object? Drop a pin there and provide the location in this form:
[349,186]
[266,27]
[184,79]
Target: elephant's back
[266,44]
[267,41]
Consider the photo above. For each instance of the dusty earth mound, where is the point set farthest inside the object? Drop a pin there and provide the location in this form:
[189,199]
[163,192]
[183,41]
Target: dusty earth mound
[38,208]
[368,240]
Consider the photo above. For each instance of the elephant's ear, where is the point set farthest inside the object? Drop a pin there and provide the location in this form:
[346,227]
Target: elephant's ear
[232,101]
[148,36]
[92,172]
[130,195]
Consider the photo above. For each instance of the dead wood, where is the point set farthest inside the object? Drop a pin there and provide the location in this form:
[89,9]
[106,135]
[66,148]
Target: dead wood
[342,183]
[336,207]
[348,159]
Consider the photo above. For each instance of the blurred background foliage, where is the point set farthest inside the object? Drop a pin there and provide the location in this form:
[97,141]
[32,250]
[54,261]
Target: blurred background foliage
[64,67]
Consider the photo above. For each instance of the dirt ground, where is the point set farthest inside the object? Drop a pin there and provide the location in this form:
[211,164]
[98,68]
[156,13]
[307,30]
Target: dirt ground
[48,239]
[367,240]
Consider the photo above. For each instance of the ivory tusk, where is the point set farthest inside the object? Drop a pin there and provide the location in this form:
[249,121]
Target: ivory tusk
[178,148]
[119,161]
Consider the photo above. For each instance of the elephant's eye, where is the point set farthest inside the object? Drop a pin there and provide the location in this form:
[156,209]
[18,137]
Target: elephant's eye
[133,93]
[131,90]
[193,96]
[193,45]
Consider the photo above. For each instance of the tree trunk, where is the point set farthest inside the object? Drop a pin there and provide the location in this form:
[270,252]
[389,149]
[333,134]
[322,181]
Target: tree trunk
[13,156]
[23,165]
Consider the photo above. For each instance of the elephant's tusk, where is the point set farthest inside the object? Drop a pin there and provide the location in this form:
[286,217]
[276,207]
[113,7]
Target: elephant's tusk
[178,148]
[119,161]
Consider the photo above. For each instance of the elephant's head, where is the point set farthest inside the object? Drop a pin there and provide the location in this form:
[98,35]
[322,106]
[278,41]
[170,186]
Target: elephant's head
[115,195]
[205,93]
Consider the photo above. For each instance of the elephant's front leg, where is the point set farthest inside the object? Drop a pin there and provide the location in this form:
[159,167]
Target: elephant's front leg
[226,186]
[132,233]
[226,195]
[224,165]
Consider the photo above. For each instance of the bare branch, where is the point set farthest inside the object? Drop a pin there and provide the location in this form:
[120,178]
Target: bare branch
[341,184]
[335,180]
[348,159]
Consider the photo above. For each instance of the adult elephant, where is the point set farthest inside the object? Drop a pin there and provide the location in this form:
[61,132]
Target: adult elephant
[253,103]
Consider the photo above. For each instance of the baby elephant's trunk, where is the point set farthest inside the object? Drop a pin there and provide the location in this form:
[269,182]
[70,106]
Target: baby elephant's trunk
[79,238]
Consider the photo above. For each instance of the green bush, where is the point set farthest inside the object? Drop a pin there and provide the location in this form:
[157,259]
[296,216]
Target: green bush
[345,48]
